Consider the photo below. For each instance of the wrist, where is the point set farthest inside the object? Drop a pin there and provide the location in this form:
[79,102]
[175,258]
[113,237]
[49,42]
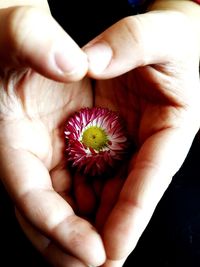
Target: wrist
[187,7]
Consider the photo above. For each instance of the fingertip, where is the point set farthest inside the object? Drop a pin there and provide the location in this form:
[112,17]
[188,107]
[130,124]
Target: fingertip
[98,260]
[79,237]
[69,65]
[51,51]
[99,57]
[32,38]
[114,263]
[97,252]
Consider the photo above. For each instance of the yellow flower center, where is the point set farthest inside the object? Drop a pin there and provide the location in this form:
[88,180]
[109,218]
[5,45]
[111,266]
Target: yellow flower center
[95,138]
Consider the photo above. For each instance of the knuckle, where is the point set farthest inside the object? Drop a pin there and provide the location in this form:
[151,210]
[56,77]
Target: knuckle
[132,26]
[132,34]
[18,26]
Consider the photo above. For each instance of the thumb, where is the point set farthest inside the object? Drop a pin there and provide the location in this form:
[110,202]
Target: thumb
[30,37]
[150,38]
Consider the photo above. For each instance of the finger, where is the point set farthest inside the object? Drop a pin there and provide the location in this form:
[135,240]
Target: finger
[49,250]
[30,37]
[111,263]
[61,183]
[109,196]
[140,40]
[29,184]
[158,160]
[84,194]
[60,178]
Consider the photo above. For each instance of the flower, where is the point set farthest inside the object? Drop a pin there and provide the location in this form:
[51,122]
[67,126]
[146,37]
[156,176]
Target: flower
[96,140]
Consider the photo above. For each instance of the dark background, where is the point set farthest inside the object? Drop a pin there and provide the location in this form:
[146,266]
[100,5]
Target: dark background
[172,238]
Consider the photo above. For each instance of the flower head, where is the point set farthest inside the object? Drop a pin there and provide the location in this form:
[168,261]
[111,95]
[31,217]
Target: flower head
[96,140]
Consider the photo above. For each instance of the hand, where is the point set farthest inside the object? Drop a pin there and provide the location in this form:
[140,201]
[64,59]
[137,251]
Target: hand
[33,110]
[128,217]
[31,37]
[159,100]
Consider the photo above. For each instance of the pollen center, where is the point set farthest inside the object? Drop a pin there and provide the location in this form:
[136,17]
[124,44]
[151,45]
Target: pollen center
[95,138]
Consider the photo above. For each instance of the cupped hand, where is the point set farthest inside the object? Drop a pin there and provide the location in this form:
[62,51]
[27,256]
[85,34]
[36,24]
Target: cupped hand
[33,166]
[150,66]
[161,126]
[33,110]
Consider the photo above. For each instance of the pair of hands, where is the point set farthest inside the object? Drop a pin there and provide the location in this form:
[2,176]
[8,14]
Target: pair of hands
[146,67]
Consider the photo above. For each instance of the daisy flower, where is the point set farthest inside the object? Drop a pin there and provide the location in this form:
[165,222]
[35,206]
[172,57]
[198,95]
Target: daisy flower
[96,140]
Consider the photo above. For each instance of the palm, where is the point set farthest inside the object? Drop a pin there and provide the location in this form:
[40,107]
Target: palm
[35,111]
[148,111]
[32,118]
[157,121]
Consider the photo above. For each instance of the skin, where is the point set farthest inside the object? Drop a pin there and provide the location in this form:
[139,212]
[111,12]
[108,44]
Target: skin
[145,75]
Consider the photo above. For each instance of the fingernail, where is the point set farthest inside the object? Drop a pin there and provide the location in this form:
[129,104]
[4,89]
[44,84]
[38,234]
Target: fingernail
[99,56]
[69,61]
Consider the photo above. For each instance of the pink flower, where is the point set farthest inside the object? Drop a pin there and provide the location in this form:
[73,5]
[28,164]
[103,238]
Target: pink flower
[96,140]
